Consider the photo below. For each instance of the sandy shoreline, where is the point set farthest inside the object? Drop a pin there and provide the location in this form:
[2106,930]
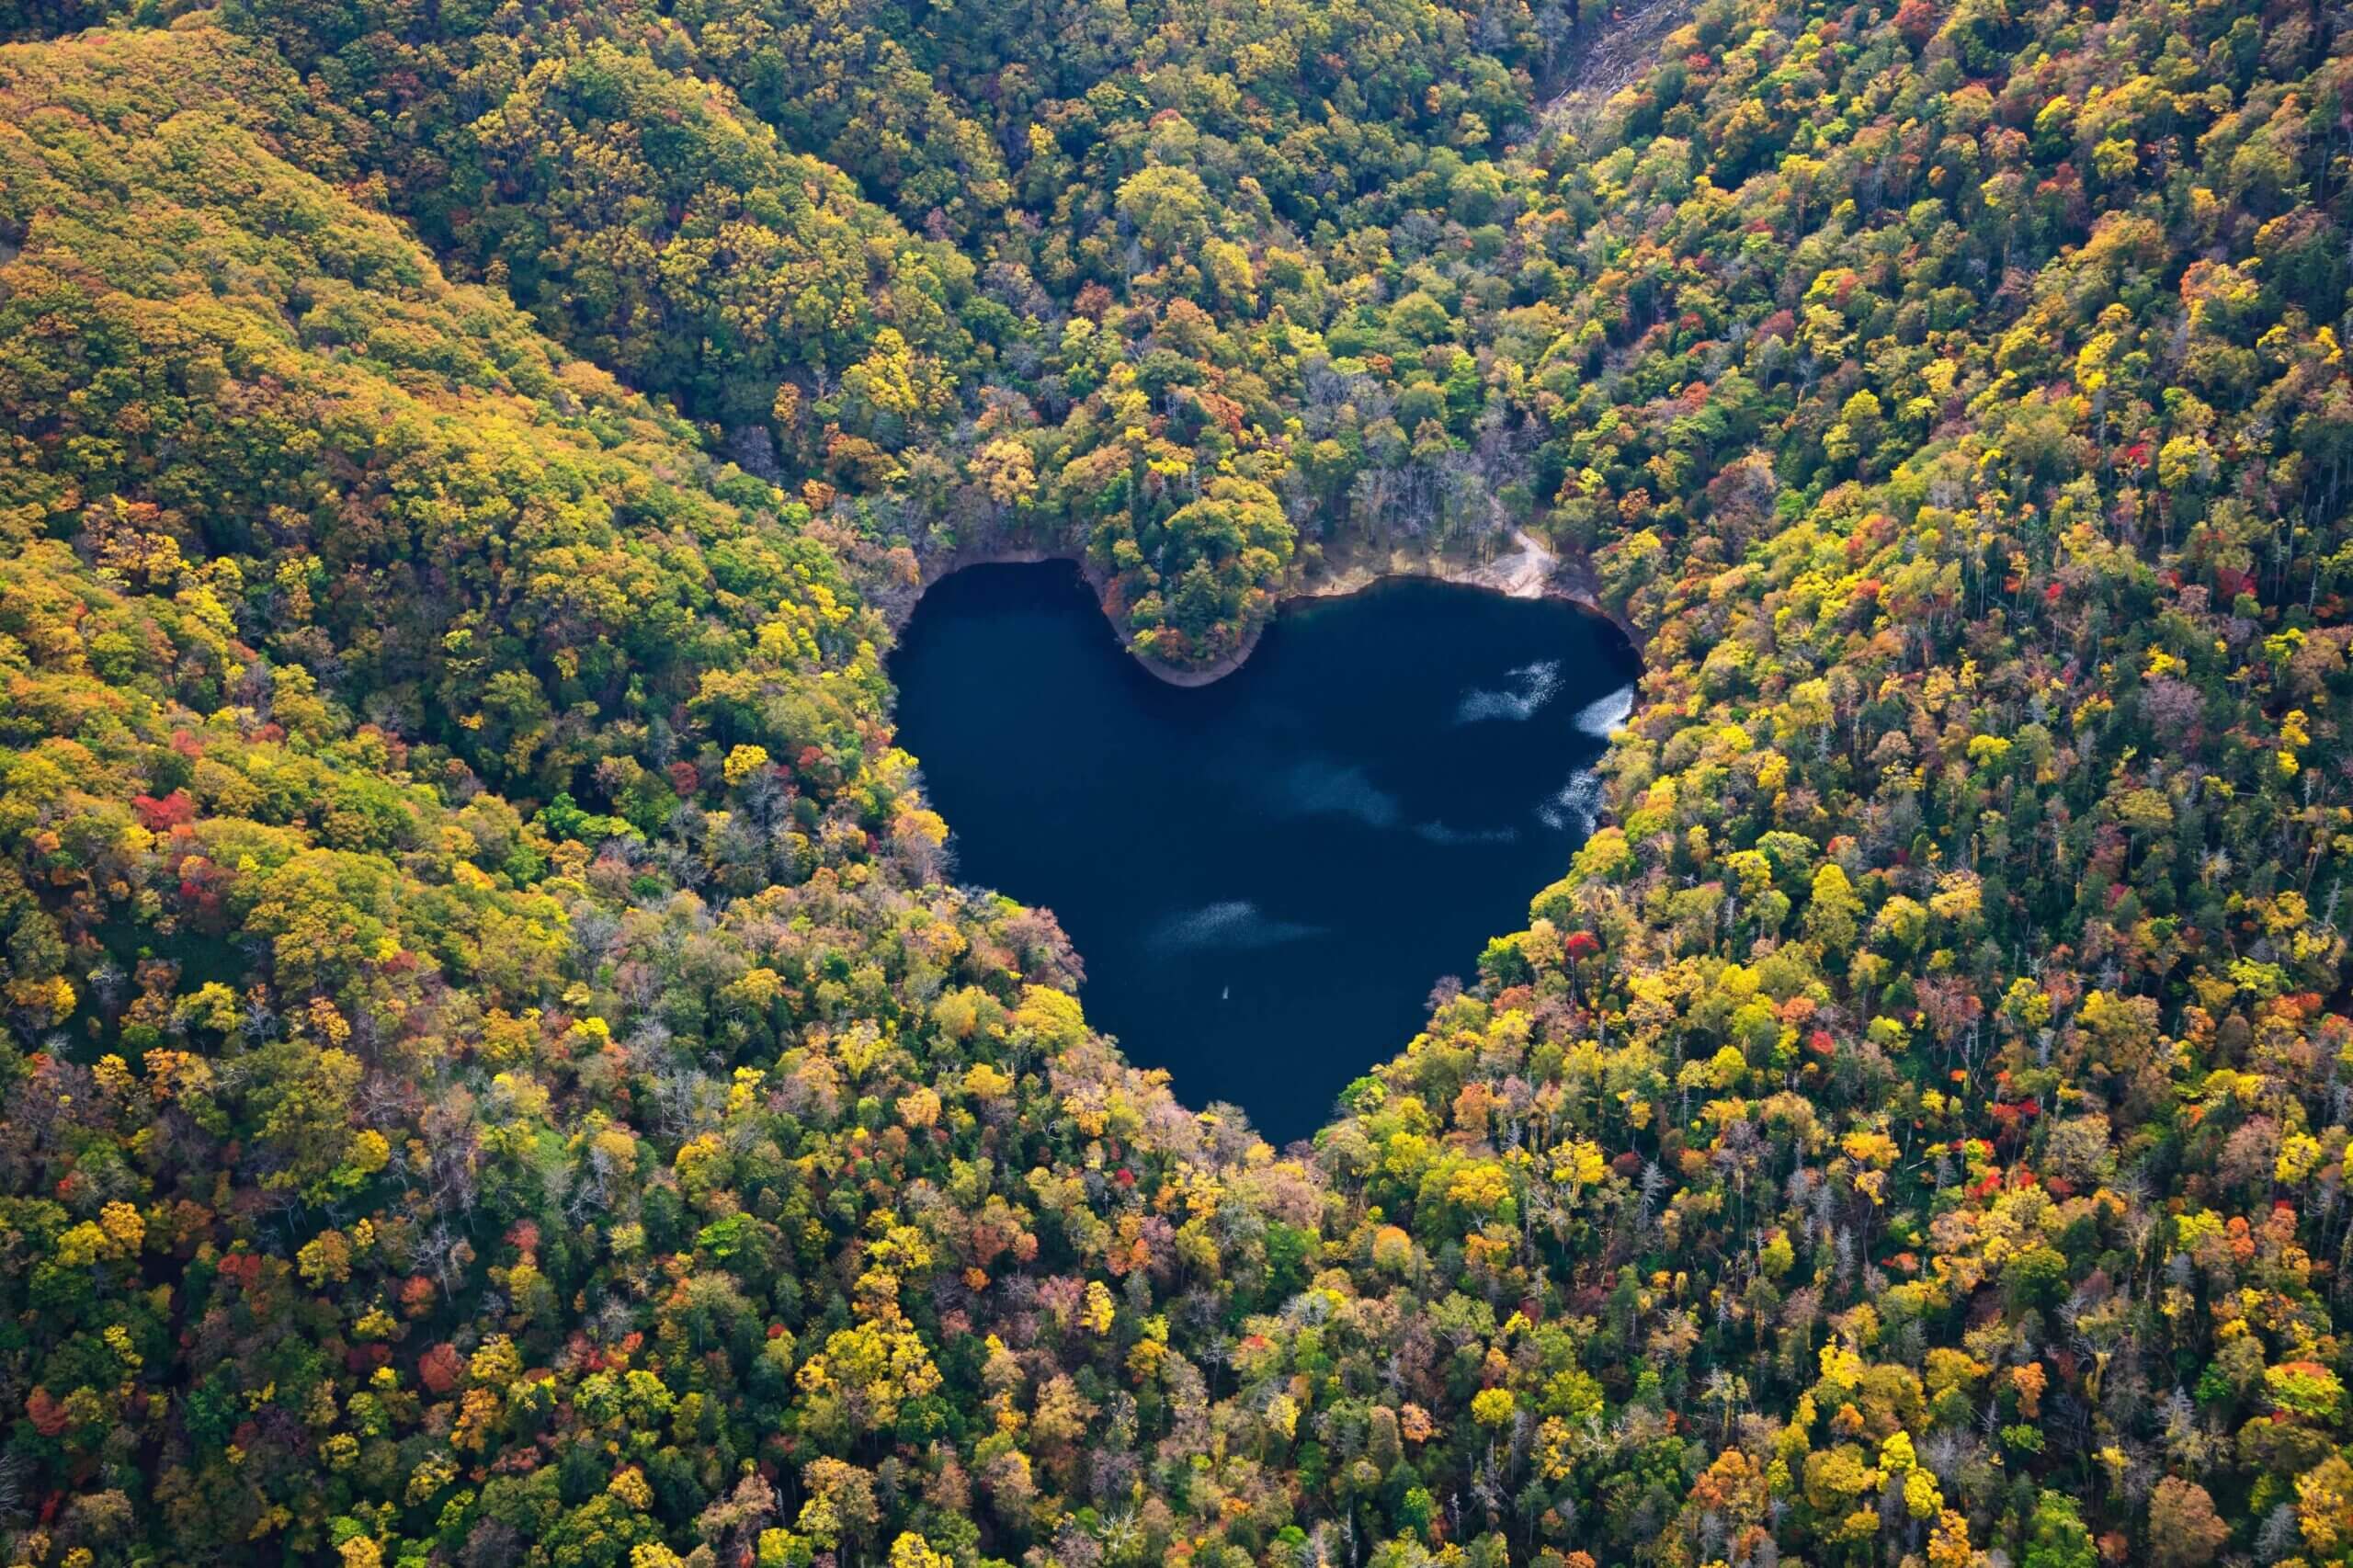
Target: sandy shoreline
[1529,571]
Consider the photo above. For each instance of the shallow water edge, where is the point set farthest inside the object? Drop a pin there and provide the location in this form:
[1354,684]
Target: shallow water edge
[1529,571]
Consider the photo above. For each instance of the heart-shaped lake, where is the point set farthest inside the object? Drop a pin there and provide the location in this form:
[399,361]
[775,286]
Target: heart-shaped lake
[1265,876]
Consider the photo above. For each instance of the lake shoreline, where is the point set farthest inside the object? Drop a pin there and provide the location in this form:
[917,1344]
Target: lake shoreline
[1529,570]
[1231,861]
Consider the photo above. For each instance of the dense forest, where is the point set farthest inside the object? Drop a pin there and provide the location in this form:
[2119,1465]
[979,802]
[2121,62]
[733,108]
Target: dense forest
[498,1068]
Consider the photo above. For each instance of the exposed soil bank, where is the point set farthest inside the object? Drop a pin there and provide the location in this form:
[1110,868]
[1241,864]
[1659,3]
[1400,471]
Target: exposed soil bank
[1529,571]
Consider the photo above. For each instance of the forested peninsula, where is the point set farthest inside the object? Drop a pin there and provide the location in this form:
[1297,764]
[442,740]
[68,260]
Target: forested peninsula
[498,1067]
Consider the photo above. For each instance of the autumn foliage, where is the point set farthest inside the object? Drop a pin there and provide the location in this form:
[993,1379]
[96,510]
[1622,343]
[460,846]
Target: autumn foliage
[497,1069]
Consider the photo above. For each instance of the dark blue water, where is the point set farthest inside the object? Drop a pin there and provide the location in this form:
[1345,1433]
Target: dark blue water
[1267,876]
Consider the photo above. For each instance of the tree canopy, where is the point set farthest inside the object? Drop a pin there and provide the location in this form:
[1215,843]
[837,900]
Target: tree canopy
[498,1069]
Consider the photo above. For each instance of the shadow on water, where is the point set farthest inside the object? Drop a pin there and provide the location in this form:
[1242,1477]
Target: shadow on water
[1266,876]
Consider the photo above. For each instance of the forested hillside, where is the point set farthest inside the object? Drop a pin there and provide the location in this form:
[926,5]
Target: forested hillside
[497,1070]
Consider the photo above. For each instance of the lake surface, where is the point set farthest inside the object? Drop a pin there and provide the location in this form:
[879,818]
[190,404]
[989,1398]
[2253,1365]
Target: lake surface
[1267,876]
